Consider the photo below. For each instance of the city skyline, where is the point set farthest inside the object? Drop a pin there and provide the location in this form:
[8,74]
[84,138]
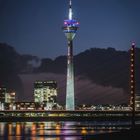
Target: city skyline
[102,80]
[31,26]
[90,93]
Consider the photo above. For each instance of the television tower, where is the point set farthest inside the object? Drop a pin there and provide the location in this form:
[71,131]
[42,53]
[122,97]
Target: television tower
[70,27]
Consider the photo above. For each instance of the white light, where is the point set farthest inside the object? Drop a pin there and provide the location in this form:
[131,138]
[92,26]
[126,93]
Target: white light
[70,2]
[133,44]
[70,14]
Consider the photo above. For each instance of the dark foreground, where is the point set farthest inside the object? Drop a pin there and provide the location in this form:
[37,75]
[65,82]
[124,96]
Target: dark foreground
[132,134]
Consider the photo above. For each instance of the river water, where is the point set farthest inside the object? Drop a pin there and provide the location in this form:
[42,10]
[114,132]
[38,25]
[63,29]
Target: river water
[57,130]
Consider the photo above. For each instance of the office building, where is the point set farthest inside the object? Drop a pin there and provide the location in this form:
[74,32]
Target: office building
[45,92]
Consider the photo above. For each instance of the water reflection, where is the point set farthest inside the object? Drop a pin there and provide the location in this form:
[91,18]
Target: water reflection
[10,129]
[18,129]
[53,130]
[84,131]
[33,131]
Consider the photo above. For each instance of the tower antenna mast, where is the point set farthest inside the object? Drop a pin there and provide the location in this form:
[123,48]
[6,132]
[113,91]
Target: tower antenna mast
[70,10]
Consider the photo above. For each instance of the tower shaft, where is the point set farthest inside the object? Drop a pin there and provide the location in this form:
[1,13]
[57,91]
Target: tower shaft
[70,105]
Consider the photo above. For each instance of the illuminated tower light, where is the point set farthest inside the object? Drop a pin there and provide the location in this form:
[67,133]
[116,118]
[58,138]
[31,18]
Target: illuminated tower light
[70,10]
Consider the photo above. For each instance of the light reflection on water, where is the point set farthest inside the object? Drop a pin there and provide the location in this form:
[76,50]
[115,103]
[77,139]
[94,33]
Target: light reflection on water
[52,130]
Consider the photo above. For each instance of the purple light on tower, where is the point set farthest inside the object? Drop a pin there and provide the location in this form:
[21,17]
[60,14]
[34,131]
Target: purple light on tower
[70,27]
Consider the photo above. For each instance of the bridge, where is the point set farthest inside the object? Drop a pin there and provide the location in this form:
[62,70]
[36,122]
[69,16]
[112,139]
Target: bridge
[63,115]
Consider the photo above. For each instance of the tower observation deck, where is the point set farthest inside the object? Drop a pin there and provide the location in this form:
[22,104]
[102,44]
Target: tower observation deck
[70,27]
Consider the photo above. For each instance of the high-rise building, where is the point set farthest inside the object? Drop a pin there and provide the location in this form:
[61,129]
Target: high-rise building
[2,97]
[2,94]
[10,97]
[137,102]
[45,92]
[69,28]
[7,99]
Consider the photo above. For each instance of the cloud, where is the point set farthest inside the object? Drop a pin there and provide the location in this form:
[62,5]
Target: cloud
[86,92]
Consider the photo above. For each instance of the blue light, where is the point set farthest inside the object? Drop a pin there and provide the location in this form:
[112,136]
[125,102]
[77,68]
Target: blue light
[69,31]
[71,23]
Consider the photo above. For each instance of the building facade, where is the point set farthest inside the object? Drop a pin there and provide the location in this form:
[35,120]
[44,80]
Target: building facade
[137,102]
[7,99]
[45,92]
[2,97]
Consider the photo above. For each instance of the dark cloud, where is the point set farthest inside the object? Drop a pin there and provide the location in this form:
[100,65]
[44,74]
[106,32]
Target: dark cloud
[86,92]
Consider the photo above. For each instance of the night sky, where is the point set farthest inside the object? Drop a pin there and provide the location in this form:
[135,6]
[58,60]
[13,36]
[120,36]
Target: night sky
[34,26]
